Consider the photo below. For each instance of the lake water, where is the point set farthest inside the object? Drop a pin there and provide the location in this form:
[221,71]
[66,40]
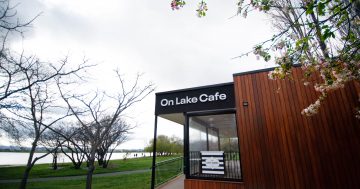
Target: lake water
[20,158]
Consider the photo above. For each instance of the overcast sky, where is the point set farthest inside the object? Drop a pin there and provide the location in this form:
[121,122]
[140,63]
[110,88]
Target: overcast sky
[174,49]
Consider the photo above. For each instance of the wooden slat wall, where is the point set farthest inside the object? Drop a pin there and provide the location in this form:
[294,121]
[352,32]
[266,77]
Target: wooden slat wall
[207,184]
[280,148]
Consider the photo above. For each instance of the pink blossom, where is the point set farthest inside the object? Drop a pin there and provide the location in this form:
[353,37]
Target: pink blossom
[176,4]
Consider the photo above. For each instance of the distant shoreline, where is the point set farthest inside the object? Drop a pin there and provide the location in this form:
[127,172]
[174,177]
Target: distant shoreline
[20,158]
[41,151]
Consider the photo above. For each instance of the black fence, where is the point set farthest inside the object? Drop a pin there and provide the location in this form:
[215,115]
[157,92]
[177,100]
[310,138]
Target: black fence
[167,170]
[232,167]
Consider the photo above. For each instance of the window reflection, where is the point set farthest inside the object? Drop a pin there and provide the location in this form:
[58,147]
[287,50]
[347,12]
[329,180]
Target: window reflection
[214,133]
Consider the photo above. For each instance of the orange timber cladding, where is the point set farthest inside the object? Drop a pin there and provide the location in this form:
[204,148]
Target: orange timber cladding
[280,148]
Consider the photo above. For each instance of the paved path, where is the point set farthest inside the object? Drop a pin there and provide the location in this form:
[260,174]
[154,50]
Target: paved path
[75,177]
[176,183]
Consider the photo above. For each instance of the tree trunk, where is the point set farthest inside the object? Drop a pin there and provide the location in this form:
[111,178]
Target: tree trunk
[91,168]
[107,160]
[54,164]
[29,165]
[89,174]
[318,35]
[100,158]
[105,164]
[100,162]
[77,165]
[25,177]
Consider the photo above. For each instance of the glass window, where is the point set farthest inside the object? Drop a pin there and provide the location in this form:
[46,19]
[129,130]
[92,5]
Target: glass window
[213,147]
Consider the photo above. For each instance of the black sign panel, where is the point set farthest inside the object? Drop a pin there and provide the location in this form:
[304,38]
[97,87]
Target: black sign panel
[196,99]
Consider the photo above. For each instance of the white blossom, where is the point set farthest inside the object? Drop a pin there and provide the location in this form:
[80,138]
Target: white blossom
[312,109]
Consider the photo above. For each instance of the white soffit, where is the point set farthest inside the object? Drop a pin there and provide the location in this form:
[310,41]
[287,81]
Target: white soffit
[176,117]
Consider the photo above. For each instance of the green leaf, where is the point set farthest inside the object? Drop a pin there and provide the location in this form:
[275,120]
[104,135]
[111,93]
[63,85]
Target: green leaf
[311,25]
[337,9]
[258,47]
[266,7]
[310,8]
[302,43]
[321,8]
[327,34]
[267,57]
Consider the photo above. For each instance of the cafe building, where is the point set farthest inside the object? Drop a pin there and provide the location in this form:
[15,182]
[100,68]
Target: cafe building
[250,134]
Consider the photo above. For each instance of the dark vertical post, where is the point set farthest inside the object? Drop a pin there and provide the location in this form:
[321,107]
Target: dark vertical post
[154,156]
[186,147]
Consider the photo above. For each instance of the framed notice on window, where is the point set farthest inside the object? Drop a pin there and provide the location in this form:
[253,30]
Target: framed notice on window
[212,162]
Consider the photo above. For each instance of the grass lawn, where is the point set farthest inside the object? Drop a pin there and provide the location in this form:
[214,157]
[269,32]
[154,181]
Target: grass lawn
[44,170]
[132,181]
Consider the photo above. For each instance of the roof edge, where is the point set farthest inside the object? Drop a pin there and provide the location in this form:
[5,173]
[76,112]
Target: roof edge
[261,70]
[195,88]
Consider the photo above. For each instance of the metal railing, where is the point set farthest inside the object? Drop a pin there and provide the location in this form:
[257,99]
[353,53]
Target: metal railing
[168,169]
[232,166]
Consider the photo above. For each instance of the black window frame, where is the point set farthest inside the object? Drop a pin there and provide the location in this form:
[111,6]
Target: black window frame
[186,144]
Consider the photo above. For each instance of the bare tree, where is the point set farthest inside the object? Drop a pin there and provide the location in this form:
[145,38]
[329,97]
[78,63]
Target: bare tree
[8,126]
[75,146]
[27,101]
[90,113]
[10,82]
[51,141]
[38,110]
[116,136]
[11,67]
[34,115]
[17,71]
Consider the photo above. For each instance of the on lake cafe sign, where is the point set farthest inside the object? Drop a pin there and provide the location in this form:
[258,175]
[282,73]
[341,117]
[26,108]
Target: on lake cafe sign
[193,100]
[196,99]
